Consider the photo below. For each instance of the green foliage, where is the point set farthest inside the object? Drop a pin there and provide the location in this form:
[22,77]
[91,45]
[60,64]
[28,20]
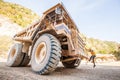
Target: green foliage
[100,46]
[17,13]
[117,54]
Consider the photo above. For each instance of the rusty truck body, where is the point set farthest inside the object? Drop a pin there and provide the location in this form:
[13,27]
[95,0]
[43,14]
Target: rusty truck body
[53,38]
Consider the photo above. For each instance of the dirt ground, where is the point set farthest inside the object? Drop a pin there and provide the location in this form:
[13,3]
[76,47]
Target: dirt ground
[103,71]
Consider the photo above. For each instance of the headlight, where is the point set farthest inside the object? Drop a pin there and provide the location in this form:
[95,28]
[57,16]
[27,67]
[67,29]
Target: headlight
[58,10]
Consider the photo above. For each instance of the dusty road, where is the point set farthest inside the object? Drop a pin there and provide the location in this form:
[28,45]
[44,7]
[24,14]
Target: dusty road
[109,71]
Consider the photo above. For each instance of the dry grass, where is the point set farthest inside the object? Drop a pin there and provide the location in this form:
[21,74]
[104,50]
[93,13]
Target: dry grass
[5,43]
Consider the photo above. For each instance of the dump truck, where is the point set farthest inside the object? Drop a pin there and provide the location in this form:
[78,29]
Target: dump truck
[45,43]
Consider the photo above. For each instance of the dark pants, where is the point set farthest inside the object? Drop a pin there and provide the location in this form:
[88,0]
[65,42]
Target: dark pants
[93,59]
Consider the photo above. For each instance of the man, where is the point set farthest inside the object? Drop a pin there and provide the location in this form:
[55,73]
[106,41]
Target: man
[93,55]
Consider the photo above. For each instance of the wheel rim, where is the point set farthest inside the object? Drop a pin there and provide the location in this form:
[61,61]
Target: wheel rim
[40,53]
[12,54]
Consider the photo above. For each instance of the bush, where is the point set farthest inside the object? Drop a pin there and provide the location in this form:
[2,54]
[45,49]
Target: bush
[18,14]
[117,54]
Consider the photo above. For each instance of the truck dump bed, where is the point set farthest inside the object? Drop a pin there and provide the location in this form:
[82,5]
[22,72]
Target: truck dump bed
[52,17]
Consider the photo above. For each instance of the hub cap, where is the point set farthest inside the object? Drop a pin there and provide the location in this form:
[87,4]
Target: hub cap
[40,53]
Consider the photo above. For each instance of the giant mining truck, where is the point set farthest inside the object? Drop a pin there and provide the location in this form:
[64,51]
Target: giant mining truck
[45,43]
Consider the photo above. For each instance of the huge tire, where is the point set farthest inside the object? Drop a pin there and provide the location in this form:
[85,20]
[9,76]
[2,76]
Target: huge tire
[25,61]
[16,57]
[46,54]
[72,64]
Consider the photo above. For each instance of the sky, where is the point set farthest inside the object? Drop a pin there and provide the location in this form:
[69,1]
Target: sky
[99,19]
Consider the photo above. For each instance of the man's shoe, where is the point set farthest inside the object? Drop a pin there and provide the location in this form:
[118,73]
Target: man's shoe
[94,66]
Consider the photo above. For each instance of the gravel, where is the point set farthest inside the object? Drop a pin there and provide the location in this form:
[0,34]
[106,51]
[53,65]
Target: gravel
[104,71]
